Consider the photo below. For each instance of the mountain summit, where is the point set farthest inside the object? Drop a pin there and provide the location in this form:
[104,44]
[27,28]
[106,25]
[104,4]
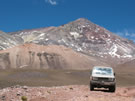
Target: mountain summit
[84,37]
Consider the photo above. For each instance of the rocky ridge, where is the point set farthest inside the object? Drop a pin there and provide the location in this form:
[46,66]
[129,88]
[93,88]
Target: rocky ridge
[7,41]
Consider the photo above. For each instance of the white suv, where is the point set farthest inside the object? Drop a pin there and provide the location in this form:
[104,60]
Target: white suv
[103,77]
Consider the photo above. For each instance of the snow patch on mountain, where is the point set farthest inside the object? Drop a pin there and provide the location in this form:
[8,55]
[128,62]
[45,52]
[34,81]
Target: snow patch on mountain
[75,34]
[114,49]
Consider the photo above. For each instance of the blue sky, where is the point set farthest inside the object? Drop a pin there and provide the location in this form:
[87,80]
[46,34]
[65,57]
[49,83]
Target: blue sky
[115,15]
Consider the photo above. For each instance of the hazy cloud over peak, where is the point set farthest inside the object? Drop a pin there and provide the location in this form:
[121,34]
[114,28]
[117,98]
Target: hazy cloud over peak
[127,34]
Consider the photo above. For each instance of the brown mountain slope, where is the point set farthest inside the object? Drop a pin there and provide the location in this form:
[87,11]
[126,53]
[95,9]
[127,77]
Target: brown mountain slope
[35,56]
[128,67]
[130,64]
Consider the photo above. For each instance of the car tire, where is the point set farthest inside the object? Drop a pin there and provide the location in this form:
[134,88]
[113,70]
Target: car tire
[91,87]
[112,88]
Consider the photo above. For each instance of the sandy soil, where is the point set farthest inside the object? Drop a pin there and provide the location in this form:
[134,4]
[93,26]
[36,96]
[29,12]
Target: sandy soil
[66,93]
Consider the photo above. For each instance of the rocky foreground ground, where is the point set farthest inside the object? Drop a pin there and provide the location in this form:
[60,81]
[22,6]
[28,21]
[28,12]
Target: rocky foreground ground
[66,93]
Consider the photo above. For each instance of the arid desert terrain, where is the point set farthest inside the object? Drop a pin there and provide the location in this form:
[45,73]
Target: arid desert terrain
[62,85]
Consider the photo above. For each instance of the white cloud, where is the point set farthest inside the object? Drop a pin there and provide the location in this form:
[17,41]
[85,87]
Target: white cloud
[127,34]
[52,2]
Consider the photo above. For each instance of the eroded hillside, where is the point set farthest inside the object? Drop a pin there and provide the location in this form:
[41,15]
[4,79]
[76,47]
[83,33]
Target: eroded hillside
[44,57]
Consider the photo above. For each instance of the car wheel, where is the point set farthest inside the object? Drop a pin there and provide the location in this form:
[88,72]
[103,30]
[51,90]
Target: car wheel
[112,88]
[91,87]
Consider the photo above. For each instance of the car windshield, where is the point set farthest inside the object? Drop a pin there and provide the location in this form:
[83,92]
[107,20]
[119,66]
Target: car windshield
[103,71]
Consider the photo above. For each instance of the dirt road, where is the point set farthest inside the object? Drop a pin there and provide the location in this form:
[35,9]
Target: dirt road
[66,93]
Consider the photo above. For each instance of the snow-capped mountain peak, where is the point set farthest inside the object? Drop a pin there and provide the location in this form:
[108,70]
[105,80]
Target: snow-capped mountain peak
[82,36]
